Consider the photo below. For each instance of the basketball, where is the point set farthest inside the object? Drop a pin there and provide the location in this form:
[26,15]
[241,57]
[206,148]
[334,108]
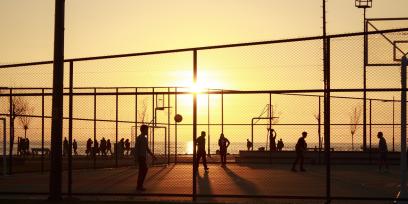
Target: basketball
[178,118]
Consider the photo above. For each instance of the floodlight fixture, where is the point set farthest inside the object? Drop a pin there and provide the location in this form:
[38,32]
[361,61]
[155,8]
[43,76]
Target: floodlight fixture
[363,3]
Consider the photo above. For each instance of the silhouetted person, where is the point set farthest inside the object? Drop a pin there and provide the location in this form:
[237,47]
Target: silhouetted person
[127,146]
[65,147]
[249,145]
[300,148]
[383,151]
[272,143]
[142,149]
[280,145]
[121,146]
[88,150]
[200,142]
[223,142]
[96,148]
[75,146]
[108,147]
[103,146]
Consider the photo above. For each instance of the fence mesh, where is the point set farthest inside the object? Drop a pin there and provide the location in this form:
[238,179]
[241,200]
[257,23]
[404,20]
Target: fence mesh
[112,99]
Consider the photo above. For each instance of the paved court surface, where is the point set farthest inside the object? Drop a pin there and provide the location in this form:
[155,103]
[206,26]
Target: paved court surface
[237,179]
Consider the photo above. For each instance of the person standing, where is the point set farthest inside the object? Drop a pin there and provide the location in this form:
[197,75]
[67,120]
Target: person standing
[280,145]
[75,147]
[249,145]
[142,149]
[200,142]
[65,147]
[300,149]
[272,143]
[102,146]
[108,147]
[223,142]
[383,150]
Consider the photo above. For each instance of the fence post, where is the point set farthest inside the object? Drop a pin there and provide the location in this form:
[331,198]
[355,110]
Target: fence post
[71,101]
[327,118]
[168,125]
[208,121]
[403,165]
[370,129]
[55,192]
[10,166]
[195,169]
[42,130]
[175,129]
[116,126]
[4,147]
[94,127]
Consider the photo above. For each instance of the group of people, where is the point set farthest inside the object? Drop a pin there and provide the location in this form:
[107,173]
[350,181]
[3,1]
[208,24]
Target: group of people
[23,146]
[101,148]
[65,147]
[272,144]
[142,150]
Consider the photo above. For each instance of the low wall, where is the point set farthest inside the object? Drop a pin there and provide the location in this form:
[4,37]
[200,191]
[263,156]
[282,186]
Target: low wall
[315,157]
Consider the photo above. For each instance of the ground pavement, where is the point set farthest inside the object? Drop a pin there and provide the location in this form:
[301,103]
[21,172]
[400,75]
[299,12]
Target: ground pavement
[235,179]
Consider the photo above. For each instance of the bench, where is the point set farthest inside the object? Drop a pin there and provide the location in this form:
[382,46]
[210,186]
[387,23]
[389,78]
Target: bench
[37,151]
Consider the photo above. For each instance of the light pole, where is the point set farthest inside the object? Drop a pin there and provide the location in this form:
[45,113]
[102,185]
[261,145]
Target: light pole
[364,4]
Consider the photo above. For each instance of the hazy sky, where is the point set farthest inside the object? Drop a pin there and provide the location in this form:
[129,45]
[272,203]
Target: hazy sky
[101,27]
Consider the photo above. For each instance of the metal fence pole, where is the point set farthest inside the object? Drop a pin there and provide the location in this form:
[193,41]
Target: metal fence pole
[393,124]
[42,129]
[175,129]
[116,126]
[10,166]
[154,120]
[327,118]
[403,165]
[135,118]
[222,111]
[4,147]
[71,104]
[319,131]
[94,129]
[168,125]
[208,121]
[55,192]
[365,84]
[195,169]
[370,129]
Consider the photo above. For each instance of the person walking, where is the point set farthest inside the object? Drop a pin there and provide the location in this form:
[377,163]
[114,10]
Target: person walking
[223,142]
[300,149]
[200,142]
[383,151]
[142,149]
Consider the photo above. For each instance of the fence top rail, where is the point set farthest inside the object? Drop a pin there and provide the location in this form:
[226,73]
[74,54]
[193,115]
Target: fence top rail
[209,47]
[294,92]
[387,19]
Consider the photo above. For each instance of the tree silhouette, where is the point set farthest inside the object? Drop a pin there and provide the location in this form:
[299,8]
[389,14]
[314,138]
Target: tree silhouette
[354,123]
[25,120]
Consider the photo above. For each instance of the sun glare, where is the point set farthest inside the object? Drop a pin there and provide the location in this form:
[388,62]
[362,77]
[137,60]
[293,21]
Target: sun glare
[189,147]
[197,88]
